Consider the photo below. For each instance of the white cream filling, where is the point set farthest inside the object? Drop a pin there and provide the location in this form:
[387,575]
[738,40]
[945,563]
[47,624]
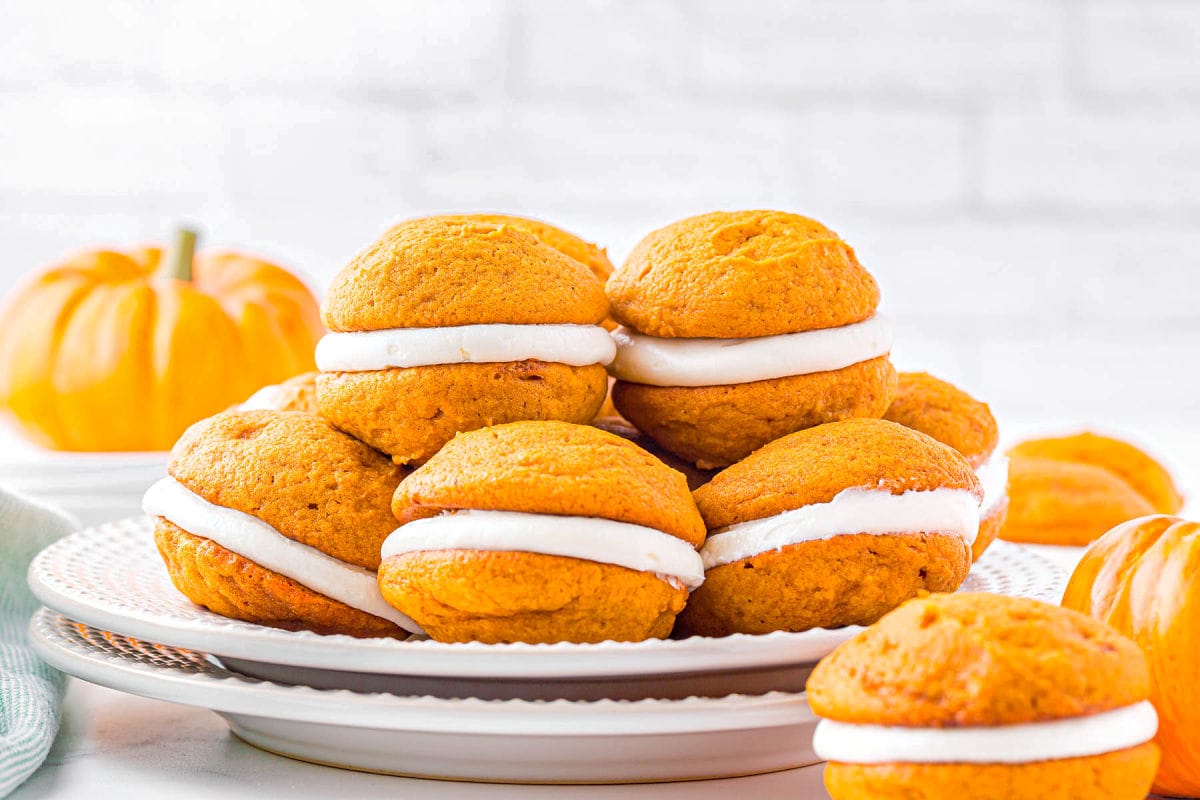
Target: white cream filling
[714,362]
[1073,737]
[365,351]
[589,538]
[993,476]
[268,398]
[253,539]
[871,511]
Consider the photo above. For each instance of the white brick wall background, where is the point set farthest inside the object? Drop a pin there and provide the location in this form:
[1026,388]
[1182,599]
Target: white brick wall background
[1023,177]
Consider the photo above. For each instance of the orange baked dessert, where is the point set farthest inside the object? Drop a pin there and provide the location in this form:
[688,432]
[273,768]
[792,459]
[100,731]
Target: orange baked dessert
[696,477]
[591,255]
[831,526]
[446,325]
[277,518]
[1063,503]
[985,697]
[741,327]
[298,393]
[542,532]
[1070,490]
[953,417]
[1137,468]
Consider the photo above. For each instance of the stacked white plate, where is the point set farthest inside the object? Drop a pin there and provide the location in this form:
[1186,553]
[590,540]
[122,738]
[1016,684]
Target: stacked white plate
[95,487]
[611,712]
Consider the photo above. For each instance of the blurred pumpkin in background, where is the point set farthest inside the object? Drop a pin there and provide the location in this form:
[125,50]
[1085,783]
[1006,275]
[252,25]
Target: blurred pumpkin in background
[122,351]
[1143,578]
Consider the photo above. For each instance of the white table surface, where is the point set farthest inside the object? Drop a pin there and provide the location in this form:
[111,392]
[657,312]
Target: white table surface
[117,745]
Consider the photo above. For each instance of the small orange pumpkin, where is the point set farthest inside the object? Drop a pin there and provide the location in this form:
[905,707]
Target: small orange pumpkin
[1143,578]
[122,351]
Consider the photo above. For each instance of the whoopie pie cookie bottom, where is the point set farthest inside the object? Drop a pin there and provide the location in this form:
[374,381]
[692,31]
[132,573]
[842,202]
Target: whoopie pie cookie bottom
[411,412]
[852,579]
[227,584]
[494,597]
[1119,775]
[714,426]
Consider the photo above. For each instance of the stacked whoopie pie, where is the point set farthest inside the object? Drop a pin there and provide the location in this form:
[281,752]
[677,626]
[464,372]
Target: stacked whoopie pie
[446,325]
[950,415]
[981,697]
[445,471]
[742,327]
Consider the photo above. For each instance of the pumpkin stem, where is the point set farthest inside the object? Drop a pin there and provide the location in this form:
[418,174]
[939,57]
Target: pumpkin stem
[177,263]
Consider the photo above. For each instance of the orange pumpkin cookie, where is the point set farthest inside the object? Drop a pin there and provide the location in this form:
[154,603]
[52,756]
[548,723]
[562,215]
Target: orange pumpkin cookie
[1066,503]
[277,518]
[1148,477]
[542,532]
[950,415]
[741,327]
[295,394]
[446,325]
[593,256]
[985,697]
[696,477]
[831,526]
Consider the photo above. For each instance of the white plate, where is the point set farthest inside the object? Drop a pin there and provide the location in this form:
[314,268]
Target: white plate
[507,741]
[112,577]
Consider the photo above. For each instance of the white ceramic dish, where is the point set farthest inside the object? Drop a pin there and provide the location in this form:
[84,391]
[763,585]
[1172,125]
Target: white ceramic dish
[94,487]
[1065,557]
[506,741]
[111,577]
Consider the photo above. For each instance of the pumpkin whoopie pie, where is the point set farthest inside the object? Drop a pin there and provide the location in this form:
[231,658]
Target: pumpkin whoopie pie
[1066,503]
[542,532]
[831,526]
[298,393]
[1134,466]
[277,518]
[446,325]
[950,415]
[985,697]
[741,327]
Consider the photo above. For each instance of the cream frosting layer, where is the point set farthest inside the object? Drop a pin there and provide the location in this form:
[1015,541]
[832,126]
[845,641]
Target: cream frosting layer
[871,511]
[1073,737]
[588,538]
[365,351]
[253,539]
[993,476]
[716,362]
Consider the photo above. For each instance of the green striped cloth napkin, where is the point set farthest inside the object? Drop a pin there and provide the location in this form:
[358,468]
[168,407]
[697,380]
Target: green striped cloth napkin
[30,692]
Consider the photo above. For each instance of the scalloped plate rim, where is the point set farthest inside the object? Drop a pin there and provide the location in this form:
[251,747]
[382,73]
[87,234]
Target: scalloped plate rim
[236,639]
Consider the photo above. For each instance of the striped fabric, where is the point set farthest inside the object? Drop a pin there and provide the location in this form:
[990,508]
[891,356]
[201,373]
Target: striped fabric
[30,691]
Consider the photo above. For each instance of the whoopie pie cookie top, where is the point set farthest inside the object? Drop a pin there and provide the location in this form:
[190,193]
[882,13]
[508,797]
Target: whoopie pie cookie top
[815,464]
[545,467]
[445,271]
[296,472]
[741,274]
[945,412]
[564,242]
[951,660]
